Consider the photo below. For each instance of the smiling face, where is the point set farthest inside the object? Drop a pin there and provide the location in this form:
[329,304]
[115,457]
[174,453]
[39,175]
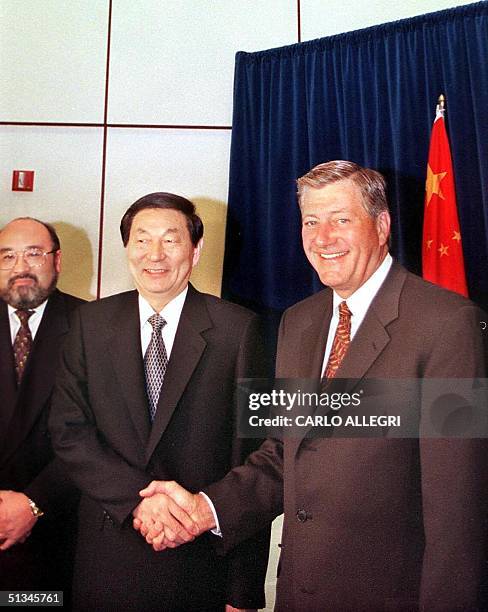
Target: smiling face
[161,255]
[342,241]
[25,287]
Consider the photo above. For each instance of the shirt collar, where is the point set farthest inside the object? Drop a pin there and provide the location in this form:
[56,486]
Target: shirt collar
[171,311]
[38,310]
[359,302]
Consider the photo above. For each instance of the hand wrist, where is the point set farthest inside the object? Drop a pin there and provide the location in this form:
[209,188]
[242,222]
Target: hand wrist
[206,518]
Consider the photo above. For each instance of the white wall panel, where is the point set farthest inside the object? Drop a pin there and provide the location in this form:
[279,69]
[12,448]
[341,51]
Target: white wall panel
[191,163]
[66,192]
[327,17]
[172,62]
[52,60]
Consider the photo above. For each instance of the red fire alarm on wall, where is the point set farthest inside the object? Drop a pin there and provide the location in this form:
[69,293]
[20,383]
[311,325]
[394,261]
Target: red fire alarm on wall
[23,180]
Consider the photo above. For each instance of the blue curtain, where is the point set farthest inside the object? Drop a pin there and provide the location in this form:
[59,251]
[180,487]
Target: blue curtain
[368,96]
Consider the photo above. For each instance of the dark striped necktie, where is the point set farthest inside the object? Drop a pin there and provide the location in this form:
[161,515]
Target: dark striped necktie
[22,343]
[155,363]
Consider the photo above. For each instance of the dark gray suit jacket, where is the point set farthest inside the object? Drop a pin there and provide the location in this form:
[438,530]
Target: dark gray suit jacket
[102,432]
[373,524]
[27,461]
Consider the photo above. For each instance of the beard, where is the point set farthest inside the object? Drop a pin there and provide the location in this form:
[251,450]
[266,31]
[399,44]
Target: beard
[25,297]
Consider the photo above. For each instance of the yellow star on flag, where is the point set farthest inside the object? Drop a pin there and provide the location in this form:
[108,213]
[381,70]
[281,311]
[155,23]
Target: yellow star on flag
[433,184]
[457,236]
[429,243]
[443,250]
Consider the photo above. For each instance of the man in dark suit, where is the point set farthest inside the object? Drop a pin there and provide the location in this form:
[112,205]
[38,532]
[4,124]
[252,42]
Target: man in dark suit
[37,501]
[372,523]
[146,390]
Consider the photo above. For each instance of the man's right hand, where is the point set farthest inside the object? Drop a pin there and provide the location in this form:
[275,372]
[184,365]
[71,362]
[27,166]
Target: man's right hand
[192,505]
[158,515]
[16,518]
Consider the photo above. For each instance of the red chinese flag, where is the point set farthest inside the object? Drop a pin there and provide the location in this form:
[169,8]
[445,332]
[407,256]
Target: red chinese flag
[442,252]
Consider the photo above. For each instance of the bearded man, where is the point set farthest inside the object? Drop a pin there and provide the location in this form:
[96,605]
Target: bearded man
[36,497]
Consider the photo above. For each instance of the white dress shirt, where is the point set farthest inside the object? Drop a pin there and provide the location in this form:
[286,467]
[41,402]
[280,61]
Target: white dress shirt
[33,322]
[358,303]
[171,313]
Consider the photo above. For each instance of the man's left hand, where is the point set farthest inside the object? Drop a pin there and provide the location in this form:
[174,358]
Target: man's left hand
[194,505]
[16,518]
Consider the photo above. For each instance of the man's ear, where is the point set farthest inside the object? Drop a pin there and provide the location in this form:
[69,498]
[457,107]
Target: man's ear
[383,224]
[57,261]
[196,252]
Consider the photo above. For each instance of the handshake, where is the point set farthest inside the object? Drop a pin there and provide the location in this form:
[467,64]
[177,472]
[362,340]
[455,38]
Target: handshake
[169,515]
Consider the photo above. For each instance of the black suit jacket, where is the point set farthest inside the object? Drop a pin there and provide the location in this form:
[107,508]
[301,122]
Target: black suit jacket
[380,523]
[102,432]
[27,461]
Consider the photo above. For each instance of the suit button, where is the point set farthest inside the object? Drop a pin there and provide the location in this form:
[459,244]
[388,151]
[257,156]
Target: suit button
[302,516]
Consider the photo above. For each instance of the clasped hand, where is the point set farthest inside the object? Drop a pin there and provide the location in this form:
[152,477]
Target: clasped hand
[16,519]
[169,515]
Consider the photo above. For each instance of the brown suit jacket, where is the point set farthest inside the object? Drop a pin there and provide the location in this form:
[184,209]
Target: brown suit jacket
[27,461]
[102,432]
[373,524]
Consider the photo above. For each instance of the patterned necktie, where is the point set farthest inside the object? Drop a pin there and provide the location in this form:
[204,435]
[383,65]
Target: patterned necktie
[341,342]
[22,343]
[155,363]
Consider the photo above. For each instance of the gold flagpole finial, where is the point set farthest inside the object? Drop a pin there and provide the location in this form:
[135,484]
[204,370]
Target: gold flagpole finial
[441,105]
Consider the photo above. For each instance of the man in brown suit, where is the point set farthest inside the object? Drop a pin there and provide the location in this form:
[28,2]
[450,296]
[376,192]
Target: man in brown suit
[376,523]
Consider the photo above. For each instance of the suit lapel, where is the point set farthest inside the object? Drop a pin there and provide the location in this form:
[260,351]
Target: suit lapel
[188,348]
[8,383]
[312,348]
[372,338]
[314,337]
[125,353]
[36,386]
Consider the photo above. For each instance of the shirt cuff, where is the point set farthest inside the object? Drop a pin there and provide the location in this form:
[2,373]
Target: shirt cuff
[216,531]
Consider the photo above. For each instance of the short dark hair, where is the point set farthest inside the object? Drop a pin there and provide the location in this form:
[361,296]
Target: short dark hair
[371,183]
[163,200]
[50,228]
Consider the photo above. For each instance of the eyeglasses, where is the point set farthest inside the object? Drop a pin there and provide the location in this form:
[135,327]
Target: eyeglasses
[34,258]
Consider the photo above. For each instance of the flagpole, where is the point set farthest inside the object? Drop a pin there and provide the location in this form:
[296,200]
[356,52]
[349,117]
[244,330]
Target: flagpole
[441,106]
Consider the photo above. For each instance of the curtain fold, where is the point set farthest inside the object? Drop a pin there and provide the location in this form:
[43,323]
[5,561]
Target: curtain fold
[368,96]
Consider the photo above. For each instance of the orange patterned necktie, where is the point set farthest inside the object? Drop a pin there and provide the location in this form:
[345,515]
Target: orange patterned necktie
[22,343]
[341,342]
